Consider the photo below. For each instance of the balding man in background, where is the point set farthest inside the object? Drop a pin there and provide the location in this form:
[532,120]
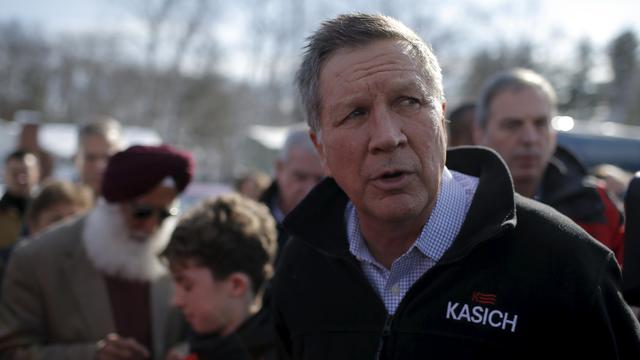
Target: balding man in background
[297,171]
[98,140]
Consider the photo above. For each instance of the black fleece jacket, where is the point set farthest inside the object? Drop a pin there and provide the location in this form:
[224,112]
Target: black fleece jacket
[520,281]
[269,197]
[254,340]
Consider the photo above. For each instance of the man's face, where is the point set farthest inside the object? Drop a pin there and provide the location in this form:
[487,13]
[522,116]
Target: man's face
[519,129]
[250,189]
[204,301]
[144,215]
[93,155]
[22,176]
[296,176]
[382,134]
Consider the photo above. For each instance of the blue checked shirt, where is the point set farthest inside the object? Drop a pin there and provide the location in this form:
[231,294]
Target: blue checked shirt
[437,235]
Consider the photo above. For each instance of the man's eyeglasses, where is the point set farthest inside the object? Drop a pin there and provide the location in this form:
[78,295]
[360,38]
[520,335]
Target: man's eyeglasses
[143,212]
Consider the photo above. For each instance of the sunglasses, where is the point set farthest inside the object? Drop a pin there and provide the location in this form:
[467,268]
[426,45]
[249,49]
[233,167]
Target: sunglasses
[143,212]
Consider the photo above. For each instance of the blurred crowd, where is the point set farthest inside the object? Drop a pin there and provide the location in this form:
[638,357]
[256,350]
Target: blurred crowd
[106,266]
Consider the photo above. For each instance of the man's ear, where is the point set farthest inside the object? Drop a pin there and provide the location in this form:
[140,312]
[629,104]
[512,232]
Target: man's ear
[239,284]
[319,145]
[77,158]
[444,110]
[553,139]
[444,123]
[278,166]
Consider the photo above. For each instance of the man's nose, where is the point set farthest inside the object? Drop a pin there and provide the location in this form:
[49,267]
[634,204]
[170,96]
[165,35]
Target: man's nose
[101,164]
[150,224]
[386,131]
[22,178]
[530,134]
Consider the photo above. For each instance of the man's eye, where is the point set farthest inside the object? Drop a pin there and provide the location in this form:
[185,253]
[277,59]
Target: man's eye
[409,101]
[542,123]
[511,125]
[356,113]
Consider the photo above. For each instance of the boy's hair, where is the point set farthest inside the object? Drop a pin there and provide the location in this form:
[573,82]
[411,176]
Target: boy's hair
[56,192]
[229,234]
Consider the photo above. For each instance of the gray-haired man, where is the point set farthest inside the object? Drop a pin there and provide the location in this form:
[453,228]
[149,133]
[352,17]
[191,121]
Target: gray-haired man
[410,252]
[515,109]
[98,140]
[297,171]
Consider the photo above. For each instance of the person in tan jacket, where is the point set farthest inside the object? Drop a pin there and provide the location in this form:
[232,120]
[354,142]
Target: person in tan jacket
[94,288]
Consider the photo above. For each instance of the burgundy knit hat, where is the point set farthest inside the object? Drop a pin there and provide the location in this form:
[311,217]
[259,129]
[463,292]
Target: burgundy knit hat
[139,169]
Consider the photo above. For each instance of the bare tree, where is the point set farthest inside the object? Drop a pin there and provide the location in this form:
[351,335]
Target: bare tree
[624,87]
[486,62]
[24,68]
[581,98]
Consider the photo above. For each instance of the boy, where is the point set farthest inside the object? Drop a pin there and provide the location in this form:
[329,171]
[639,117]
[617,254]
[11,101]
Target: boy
[55,201]
[221,257]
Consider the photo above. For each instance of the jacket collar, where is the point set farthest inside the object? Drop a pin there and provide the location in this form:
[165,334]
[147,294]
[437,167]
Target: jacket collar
[270,193]
[564,177]
[493,208]
[10,201]
[319,219]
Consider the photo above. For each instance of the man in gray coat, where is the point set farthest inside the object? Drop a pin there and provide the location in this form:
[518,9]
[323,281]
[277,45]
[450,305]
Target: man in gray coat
[94,287]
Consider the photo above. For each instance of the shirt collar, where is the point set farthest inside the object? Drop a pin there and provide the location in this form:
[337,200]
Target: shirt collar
[446,218]
[277,213]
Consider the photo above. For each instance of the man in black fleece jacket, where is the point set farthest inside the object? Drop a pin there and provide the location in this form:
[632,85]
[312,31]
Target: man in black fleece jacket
[409,252]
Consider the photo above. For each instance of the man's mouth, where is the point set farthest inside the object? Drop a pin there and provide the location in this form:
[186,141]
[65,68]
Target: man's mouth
[392,175]
[139,237]
[391,180]
[527,159]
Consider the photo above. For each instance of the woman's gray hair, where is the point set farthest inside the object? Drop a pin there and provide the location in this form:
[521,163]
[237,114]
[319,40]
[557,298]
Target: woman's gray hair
[351,31]
[513,80]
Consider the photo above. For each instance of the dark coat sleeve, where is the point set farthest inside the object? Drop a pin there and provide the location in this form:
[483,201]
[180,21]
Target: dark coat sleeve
[611,327]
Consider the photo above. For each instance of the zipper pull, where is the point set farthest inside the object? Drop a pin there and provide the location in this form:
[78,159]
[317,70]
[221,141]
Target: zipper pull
[386,331]
[387,325]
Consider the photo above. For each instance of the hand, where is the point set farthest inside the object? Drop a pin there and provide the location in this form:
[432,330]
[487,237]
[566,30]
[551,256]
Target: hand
[178,352]
[114,347]
[174,355]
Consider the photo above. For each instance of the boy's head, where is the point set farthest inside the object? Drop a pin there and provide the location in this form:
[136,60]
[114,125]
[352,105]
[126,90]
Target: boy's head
[220,254]
[55,201]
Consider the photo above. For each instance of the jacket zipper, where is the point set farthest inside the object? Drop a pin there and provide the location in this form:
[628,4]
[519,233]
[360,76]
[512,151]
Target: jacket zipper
[385,334]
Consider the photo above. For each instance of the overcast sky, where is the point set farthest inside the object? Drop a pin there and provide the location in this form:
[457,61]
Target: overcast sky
[541,20]
[597,19]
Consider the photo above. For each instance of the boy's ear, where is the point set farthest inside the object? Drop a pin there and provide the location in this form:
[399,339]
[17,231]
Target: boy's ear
[239,283]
